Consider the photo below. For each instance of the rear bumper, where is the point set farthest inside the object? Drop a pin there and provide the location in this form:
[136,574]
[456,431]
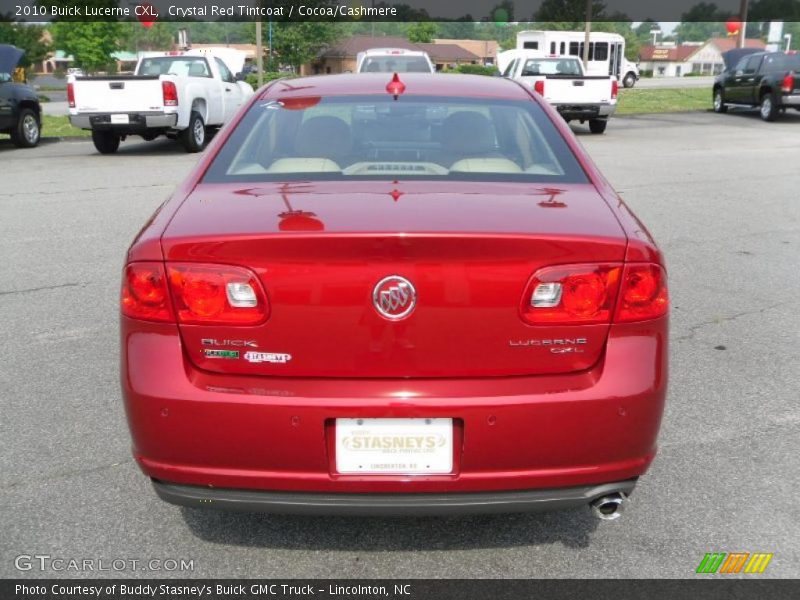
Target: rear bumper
[137,121]
[791,100]
[586,111]
[276,434]
[388,504]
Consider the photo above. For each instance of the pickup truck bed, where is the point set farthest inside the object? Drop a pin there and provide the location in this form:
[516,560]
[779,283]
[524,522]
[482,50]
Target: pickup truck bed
[130,104]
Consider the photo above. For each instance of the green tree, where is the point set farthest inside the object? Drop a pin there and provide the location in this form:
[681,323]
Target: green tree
[701,22]
[27,38]
[643,30]
[91,43]
[133,37]
[793,29]
[298,43]
[422,32]
[461,30]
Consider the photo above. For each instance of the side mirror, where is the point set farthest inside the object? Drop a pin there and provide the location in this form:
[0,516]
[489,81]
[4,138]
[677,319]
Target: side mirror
[739,73]
[240,76]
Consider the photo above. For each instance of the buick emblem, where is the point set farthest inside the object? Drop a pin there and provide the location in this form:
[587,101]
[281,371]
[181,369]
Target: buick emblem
[394,297]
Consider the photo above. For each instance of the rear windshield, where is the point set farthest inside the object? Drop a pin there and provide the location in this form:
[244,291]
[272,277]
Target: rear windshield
[185,66]
[551,66]
[377,137]
[781,62]
[395,64]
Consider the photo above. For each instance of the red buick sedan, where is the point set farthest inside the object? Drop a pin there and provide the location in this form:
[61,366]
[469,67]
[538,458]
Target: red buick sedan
[394,295]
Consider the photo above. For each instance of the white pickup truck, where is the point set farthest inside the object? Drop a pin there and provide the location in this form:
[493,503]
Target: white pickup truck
[563,85]
[177,94]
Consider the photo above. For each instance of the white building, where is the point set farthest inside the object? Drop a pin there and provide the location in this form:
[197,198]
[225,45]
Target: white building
[671,60]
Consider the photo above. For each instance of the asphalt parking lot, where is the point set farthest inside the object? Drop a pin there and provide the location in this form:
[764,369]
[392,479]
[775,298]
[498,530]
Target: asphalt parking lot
[719,192]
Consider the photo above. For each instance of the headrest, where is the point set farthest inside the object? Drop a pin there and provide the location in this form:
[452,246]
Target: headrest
[324,137]
[468,133]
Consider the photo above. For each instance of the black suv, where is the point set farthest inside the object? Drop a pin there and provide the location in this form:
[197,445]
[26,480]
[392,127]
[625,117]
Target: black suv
[768,80]
[20,111]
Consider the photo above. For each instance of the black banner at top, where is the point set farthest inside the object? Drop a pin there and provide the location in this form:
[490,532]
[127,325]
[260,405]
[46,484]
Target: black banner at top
[496,11]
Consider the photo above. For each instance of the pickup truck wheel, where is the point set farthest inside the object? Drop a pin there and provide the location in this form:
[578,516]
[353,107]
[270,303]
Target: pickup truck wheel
[719,102]
[193,137]
[768,110]
[27,131]
[106,142]
[629,80]
[597,125]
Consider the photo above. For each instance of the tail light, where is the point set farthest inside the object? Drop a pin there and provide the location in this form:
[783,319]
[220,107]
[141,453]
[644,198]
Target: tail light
[614,89]
[71,94]
[216,295]
[144,292]
[170,93]
[644,293]
[201,294]
[538,87]
[587,294]
[787,86]
[571,295]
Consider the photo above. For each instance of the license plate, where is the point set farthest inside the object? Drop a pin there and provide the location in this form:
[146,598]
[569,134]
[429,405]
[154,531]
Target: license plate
[394,446]
[120,119]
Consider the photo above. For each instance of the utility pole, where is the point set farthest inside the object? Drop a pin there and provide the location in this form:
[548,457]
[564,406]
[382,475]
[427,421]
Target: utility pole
[743,19]
[588,30]
[259,53]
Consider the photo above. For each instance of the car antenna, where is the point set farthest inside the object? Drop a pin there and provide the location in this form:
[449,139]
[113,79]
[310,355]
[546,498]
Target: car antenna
[395,87]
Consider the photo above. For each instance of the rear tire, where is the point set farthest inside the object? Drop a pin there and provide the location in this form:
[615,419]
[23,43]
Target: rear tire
[768,109]
[27,131]
[193,137]
[106,142]
[629,80]
[719,102]
[597,125]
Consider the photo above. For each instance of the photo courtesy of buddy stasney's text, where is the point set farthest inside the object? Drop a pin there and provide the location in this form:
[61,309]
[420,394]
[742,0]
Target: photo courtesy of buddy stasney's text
[211,590]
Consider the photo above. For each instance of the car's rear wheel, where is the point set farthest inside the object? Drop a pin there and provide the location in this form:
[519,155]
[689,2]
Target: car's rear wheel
[27,132]
[719,102]
[193,137]
[629,80]
[768,109]
[106,142]
[598,125]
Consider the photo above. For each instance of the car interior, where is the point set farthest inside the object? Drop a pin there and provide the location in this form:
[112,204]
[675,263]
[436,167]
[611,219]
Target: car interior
[415,138]
[395,64]
[534,67]
[168,65]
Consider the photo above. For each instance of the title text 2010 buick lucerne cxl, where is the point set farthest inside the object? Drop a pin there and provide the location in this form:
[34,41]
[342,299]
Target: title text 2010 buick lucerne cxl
[383,294]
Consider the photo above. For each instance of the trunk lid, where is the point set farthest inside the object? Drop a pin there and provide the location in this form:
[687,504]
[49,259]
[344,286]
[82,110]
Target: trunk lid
[468,248]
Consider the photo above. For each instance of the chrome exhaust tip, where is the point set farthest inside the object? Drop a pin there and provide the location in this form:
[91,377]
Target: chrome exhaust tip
[609,507]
